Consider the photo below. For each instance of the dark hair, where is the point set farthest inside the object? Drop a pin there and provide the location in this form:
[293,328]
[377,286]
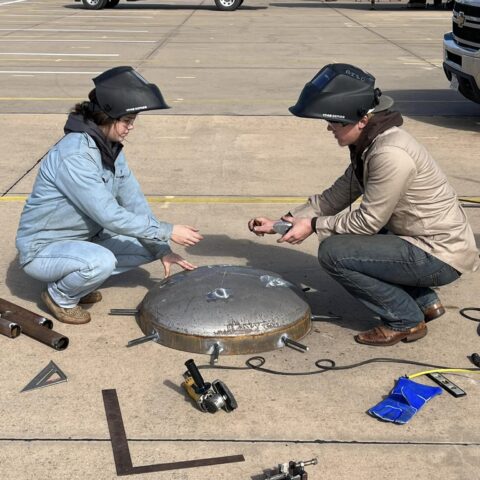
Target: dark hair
[91,111]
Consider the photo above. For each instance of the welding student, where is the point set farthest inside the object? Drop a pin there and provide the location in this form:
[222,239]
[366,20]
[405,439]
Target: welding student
[409,232]
[87,218]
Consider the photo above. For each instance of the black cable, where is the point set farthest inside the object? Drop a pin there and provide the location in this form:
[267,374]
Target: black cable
[257,362]
[470,309]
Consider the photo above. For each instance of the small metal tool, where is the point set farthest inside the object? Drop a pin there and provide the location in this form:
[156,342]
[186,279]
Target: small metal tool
[292,470]
[44,378]
[210,397]
[282,227]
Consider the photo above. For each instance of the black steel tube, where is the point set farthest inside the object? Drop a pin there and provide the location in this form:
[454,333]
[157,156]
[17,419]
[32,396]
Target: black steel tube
[197,376]
[9,307]
[9,328]
[44,335]
[34,325]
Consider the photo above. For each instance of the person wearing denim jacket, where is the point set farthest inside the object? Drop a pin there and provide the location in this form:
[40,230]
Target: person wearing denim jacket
[87,218]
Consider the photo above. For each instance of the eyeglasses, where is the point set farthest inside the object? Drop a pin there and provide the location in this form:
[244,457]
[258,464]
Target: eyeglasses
[339,124]
[128,121]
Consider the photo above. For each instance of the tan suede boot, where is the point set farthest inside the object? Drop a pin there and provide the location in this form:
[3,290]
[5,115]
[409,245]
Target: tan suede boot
[76,315]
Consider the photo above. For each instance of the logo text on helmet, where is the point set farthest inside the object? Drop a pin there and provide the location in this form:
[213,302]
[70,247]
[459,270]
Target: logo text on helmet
[332,115]
[134,109]
[356,75]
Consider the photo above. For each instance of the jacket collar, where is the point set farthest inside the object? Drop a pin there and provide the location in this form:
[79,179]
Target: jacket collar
[109,151]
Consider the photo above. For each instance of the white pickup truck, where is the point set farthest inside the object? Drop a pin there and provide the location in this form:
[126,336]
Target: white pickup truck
[99,4]
[461,49]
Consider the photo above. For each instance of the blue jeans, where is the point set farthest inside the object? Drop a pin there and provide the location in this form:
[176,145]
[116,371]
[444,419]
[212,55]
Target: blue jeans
[387,274]
[74,268]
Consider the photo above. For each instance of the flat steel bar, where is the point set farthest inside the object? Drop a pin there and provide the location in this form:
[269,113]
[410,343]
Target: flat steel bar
[121,451]
[118,437]
[201,462]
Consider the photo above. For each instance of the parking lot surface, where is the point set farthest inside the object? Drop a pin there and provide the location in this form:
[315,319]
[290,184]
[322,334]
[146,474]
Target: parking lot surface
[226,151]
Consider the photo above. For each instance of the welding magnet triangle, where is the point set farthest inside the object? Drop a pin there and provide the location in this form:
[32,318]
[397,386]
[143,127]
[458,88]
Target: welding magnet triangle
[44,378]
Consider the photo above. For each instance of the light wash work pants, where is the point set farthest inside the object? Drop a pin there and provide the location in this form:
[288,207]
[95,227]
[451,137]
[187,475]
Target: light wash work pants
[74,268]
[389,275]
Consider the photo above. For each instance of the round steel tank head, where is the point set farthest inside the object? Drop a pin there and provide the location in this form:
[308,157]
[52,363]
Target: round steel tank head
[225,309]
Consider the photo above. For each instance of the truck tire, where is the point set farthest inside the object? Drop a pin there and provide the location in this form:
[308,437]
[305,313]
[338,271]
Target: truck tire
[228,5]
[112,3]
[94,4]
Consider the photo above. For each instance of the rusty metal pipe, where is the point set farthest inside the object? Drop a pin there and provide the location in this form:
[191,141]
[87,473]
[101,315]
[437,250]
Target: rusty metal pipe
[9,329]
[33,325]
[6,306]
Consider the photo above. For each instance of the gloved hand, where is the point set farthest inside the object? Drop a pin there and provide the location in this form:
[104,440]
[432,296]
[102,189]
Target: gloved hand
[404,401]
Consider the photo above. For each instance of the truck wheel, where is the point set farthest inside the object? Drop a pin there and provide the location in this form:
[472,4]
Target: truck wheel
[94,4]
[228,4]
[112,3]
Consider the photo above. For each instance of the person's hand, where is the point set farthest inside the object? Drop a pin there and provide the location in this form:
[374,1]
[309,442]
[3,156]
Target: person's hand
[301,229]
[260,226]
[185,235]
[175,259]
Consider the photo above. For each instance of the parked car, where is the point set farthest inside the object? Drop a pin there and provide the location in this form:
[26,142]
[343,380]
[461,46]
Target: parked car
[461,49]
[99,4]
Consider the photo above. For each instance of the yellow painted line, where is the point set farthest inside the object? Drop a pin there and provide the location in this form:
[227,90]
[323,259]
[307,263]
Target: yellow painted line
[227,199]
[188,102]
[38,99]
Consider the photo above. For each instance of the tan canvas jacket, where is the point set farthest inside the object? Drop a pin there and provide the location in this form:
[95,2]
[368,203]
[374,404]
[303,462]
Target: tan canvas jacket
[404,191]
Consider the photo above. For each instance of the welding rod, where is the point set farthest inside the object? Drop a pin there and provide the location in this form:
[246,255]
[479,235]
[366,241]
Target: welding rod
[146,338]
[292,343]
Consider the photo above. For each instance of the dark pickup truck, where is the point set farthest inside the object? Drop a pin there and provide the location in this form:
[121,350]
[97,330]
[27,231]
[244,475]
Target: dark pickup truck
[228,5]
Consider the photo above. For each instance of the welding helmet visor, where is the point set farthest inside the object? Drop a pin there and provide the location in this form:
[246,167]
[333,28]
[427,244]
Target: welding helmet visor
[340,93]
[123,91]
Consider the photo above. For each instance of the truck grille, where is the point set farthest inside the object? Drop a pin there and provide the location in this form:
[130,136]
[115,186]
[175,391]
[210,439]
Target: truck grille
[469,10]
[454,58]
[467,34]
[466,24]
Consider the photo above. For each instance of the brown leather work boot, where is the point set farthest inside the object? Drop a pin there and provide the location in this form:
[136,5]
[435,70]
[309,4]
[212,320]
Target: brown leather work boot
[76,315]
[92,297]
[433,311]
[383,336]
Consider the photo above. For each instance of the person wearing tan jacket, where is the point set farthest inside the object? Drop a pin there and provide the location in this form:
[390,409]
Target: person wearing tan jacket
[409,232]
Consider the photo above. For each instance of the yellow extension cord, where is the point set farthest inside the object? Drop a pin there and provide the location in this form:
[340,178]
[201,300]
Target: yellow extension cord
[442,370]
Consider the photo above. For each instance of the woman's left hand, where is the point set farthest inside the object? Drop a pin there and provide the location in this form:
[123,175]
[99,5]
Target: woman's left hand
[172,259]
[301,229]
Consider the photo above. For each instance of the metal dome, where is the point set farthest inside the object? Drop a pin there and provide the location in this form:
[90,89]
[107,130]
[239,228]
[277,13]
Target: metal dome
[231,309]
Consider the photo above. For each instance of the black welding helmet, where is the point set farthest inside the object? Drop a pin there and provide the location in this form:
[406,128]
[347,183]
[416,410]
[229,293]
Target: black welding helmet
[340,93]
[122,91]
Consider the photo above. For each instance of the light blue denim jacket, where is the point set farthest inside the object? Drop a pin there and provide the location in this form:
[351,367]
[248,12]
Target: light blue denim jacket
[75,197]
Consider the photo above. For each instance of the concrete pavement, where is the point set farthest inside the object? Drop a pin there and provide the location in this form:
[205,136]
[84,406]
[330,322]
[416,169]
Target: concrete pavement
[226,152]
